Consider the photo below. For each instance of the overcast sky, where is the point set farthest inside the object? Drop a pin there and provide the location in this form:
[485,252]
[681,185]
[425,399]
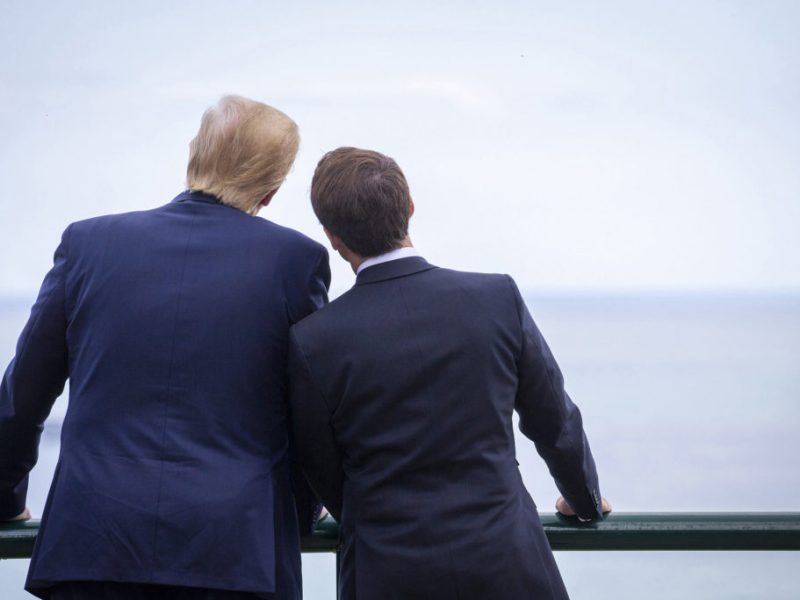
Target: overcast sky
[575,145]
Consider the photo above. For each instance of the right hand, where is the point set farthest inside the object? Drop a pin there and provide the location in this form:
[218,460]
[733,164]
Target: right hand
[566,510]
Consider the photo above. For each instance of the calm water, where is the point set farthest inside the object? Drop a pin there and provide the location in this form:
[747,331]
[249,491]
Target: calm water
[691,403]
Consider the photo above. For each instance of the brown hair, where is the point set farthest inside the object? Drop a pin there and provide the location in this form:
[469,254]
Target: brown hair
[362,197]
[243,151]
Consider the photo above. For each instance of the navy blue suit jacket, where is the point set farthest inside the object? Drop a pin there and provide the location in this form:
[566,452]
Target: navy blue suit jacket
[172,326]
[403,391]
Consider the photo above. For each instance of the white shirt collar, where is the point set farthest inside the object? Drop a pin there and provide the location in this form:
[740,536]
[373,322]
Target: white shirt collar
[391,255]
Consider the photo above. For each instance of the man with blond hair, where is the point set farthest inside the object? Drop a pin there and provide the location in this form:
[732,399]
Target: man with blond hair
[172,326]
[403,391]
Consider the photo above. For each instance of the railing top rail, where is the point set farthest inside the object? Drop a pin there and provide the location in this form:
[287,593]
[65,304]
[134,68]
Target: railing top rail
[620,531]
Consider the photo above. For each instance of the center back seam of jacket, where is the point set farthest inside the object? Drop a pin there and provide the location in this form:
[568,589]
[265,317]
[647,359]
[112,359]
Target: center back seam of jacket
[169,390]
[421,358]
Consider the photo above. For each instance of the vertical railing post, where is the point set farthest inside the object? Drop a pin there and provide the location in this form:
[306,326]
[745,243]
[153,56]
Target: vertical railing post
[337,573]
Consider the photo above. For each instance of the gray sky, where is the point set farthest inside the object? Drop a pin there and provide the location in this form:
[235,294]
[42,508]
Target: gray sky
[584,146]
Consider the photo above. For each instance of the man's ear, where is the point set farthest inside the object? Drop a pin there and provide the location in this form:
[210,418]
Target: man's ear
[410,207]
[335,241]
[268,198]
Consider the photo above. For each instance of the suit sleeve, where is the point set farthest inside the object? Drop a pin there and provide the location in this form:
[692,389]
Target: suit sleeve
[314,288]
[316,446]
[314,296]
[32,382]
[549,418]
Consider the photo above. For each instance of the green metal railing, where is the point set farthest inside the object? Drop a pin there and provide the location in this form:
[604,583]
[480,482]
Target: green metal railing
[620,531]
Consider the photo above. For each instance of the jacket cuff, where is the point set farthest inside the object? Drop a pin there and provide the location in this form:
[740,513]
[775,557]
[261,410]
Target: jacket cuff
[12,502]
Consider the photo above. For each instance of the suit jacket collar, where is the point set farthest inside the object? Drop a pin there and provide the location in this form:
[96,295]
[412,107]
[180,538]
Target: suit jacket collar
[393,269]
[189,195]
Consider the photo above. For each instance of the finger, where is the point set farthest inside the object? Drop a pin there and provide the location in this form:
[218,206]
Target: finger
[564,508]
[23,516]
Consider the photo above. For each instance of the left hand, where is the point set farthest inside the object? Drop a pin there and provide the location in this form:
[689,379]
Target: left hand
[23,516]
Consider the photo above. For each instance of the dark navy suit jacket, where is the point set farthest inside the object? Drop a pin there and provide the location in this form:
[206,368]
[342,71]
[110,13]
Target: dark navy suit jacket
[403,391]
[172,326]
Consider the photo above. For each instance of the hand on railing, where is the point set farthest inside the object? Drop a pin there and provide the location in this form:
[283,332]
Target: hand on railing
[23,516]
[566,510]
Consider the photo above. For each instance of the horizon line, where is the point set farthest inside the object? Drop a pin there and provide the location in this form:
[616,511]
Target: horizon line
[23,298]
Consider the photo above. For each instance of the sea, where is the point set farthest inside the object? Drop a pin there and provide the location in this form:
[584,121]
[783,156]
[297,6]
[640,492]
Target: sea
[691,402]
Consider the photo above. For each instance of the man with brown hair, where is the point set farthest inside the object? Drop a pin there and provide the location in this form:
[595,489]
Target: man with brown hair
[402,397]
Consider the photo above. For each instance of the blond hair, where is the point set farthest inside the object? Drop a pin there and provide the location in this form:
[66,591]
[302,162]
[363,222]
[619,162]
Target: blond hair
[242,152]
